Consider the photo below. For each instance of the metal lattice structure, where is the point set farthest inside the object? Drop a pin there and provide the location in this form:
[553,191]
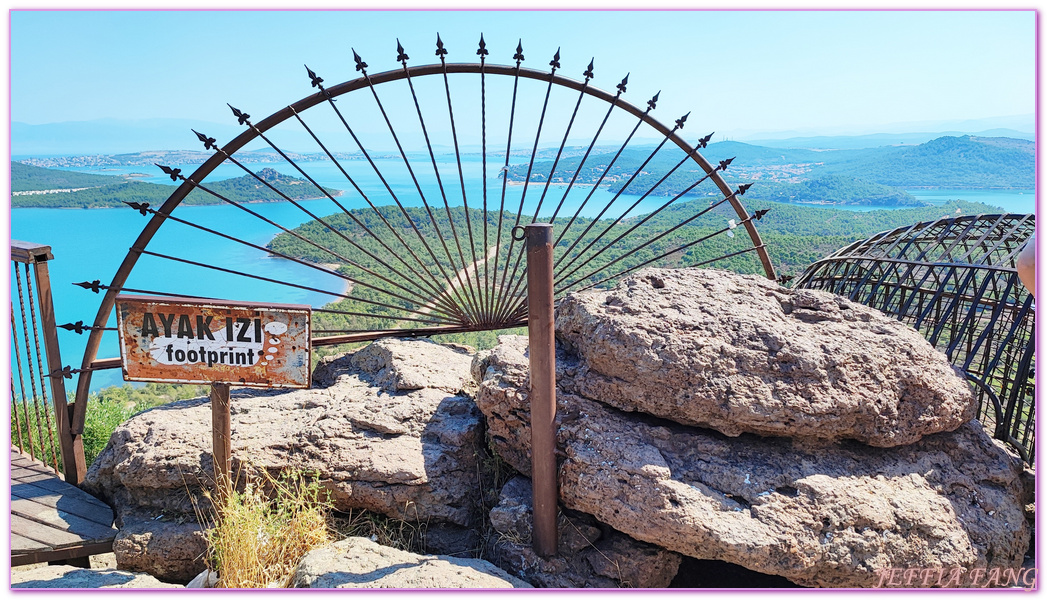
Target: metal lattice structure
[432,246]
[955,281]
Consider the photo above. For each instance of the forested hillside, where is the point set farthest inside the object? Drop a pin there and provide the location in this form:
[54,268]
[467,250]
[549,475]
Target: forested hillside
[947,162]
[796,236]
[104,191]
[25,178]
[869,177]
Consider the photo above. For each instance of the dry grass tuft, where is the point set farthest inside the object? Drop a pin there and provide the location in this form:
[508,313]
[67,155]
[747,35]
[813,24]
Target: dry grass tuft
[259,537]
[395,533]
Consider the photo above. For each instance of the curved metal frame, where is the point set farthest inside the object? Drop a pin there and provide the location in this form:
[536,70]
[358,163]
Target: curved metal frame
[108,301]
[955,281]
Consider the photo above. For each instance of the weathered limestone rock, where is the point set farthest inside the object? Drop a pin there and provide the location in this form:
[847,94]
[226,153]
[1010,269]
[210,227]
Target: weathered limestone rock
[817,513]
[65,576]
[739,354]
[169,548]
[386,429]
[588,555]
[360,563]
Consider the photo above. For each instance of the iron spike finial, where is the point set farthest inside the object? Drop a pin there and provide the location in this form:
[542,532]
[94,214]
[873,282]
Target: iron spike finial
[241,116]
[315,79]
[725,163]
[482,51]
[77,327]
[440,50]
[681,121]
[401,56]
[555,62]
[702,143]
[653,102]
[140,207]
[588,74]
[66,372]
[519,57]
[209,142]
[174,173]
[760,213]
[621,86]
[94,286]
[360,64]
[742,188]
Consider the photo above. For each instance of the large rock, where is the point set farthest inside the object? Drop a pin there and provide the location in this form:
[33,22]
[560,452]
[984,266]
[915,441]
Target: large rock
[360,563]
[387,429]
[171,549]
[739,353]
[65,576]
[818,513]
[589,554]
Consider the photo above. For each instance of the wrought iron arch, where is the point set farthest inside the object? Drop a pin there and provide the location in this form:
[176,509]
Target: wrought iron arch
[509,315]
[955,281]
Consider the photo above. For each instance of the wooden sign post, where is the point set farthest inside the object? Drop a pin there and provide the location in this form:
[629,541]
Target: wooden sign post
[188,340]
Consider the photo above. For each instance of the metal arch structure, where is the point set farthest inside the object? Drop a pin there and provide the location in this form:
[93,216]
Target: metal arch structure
[511,316]
[955,281]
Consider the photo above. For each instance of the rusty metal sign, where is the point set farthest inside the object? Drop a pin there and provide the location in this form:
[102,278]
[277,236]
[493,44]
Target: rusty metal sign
[188,340]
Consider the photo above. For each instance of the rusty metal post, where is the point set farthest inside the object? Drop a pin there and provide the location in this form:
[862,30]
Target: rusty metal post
[221,436]
[70,444]
[542,352]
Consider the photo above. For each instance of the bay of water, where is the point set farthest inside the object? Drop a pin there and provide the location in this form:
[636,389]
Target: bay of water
[90,244]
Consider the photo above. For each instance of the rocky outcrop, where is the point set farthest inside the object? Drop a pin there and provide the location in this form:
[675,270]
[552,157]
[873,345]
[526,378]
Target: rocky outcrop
[741,354]
[589,554]
[816,512]
[387,429]
[168,547]
[65,576]
[360,563]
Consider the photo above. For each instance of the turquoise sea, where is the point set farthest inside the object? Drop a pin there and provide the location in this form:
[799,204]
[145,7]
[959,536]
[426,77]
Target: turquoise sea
[90,244]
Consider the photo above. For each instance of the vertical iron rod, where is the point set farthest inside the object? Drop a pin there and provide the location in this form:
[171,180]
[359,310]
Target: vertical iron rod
[542,353]
[42,457]
[41,368]
[21,381]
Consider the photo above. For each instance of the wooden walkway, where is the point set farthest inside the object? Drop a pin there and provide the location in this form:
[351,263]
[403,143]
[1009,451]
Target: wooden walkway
[52,520]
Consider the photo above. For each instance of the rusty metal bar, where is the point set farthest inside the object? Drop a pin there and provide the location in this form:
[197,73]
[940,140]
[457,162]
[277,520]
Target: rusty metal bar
[542,355]
[221,436]
[482,52]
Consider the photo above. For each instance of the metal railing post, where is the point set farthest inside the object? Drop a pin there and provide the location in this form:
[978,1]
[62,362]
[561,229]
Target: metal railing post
[542,353]
[221,438]
[71,446]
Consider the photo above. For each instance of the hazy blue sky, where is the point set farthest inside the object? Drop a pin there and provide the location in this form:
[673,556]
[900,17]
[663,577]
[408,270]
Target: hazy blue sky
[744,72]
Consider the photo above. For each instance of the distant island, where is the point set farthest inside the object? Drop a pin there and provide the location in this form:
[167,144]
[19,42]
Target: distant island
[37,187]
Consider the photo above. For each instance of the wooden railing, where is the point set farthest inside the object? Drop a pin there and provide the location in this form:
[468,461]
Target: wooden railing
[41,416]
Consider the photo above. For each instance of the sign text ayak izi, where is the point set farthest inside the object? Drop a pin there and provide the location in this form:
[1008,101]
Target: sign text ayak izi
[203,341]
